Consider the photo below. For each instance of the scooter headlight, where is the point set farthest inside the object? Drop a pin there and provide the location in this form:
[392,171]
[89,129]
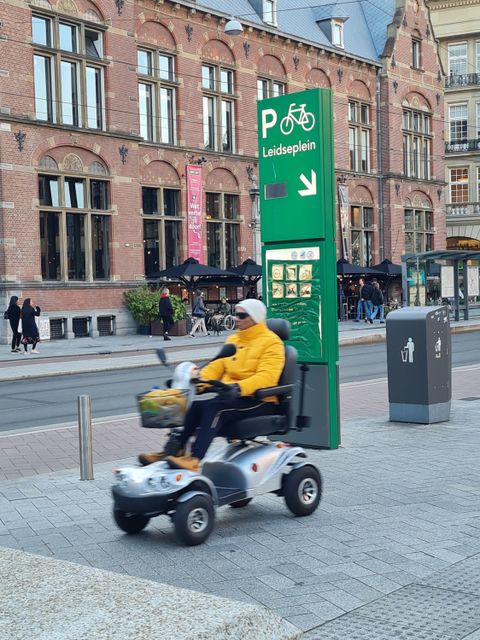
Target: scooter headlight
[156,483]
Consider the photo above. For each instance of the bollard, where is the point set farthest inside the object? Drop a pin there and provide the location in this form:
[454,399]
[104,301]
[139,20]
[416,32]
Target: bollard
[85,438]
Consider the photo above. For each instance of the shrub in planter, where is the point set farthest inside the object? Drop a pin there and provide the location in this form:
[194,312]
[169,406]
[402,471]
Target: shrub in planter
[142,303]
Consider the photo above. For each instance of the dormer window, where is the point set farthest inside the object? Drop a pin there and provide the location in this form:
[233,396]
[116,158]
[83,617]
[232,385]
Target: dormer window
[337,33]
[270,11]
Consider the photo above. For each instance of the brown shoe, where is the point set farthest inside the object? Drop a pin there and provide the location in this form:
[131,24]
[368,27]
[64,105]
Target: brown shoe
[184,462]
[149,458]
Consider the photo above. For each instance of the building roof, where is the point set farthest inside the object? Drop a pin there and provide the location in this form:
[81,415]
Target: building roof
[365,26]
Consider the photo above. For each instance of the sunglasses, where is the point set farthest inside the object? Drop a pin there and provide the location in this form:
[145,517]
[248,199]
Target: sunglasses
[241,315]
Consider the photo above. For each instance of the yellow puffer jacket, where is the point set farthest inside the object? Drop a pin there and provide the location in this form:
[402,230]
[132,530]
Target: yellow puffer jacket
[258,362]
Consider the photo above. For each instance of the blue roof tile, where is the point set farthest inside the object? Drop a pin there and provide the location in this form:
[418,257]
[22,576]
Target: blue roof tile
[365,30]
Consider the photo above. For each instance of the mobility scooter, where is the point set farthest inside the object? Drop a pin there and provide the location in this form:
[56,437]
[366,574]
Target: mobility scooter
[247,466]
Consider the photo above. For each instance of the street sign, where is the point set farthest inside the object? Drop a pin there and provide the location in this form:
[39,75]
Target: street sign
[295,167]
[297,212]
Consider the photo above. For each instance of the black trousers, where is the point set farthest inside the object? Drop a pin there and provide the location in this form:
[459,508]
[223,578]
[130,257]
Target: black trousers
[167,324]
[206,418]
[16,336]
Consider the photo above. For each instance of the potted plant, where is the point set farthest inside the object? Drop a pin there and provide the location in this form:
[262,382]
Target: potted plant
[179,327]
[142,303]
[180,323]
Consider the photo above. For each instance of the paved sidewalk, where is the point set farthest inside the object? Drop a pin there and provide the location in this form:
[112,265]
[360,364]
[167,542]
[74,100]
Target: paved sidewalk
[401,502]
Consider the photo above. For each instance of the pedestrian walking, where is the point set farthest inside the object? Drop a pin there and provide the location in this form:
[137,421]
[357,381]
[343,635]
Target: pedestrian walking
[199,311]
[377,301]
[29,326]
[364,301]
[165,310]
[12,314]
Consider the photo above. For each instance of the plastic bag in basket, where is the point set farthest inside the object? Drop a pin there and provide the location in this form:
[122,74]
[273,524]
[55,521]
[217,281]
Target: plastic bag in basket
[163,408]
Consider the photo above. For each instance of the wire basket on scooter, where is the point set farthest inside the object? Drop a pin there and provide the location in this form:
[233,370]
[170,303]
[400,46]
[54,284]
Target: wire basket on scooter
[162,408]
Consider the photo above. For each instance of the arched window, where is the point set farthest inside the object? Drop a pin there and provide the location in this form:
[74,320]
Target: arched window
[270,81]
[417,139]
[218,86]
[69,70]
[162,221]
[418,223]
[74,222]
[157,84]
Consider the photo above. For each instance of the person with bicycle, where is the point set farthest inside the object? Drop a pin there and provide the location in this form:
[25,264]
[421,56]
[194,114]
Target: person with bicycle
[257,363]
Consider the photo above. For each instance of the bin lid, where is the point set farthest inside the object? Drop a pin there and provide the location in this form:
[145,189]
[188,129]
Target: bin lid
[416,313]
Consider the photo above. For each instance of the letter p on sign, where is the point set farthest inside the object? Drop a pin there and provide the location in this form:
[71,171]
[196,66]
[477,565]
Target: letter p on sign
[269,120]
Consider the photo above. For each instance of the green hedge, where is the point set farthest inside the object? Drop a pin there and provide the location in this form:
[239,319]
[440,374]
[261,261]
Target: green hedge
[142,302]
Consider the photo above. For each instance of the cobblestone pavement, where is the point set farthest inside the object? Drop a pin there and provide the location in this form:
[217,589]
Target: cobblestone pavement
[392,552]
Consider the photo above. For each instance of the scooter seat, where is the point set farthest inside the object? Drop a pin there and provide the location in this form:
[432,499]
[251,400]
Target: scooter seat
[252,427]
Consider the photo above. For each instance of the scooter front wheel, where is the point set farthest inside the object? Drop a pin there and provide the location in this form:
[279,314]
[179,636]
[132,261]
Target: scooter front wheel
[302,490]
[193,519]
[130,522]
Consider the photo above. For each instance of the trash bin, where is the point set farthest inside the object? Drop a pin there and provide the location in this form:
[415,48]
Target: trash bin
[419,359]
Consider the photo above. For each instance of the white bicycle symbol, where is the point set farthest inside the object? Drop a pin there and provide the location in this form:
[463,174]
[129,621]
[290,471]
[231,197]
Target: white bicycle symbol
[297,115]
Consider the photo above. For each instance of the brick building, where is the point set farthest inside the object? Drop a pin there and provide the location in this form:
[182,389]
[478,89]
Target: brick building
[104,105]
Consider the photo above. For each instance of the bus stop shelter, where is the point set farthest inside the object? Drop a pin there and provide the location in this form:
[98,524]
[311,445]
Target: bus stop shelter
[443,277]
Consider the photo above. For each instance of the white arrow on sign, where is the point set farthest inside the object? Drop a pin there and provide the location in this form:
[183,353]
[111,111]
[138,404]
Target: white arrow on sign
[311,185]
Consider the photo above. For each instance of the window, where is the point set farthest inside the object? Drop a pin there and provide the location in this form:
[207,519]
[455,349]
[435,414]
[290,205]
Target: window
[458,121]
[459,185]
[361,219]
[68,89]
[417,142]
[359,136]
[337,34]
[477,56]
[156,96]
[50,245]
[74,242]
[218,109]
[418,230]
[416,53]
[41,31]
[223,229]
[270,11]
[478,184]
[457,59]
[268,88]
[162,228]
[478,120]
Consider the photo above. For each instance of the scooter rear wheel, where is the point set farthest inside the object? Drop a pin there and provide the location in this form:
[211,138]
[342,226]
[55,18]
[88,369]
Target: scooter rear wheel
[130,522]
[193,519]
[302,490]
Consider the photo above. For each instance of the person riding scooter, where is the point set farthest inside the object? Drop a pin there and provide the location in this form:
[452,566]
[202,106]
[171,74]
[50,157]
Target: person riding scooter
[257,364]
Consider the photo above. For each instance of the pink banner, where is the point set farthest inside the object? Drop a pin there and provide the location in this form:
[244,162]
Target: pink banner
[194,213]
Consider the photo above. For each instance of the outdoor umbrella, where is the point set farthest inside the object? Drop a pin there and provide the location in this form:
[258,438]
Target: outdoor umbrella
[249,270]
[387,266]
[345,268]
[189,272]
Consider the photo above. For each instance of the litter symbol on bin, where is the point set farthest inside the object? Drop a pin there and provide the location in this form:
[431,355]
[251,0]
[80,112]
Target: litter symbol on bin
[407,351]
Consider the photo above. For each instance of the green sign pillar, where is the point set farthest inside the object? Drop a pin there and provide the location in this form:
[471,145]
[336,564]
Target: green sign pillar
[297,213]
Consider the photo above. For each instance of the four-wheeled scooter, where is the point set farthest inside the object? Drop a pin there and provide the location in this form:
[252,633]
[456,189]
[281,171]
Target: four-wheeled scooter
[247,466]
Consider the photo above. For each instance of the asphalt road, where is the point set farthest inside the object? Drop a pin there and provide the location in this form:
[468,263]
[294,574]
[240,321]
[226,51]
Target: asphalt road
[38,402]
